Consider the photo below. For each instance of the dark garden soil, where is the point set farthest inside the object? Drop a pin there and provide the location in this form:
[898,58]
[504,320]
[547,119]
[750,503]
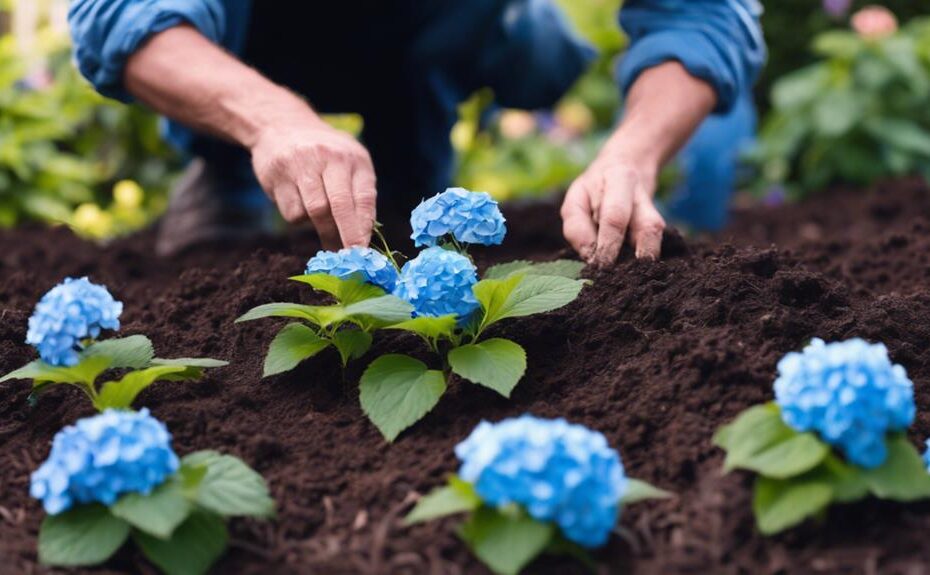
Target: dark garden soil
[656,355]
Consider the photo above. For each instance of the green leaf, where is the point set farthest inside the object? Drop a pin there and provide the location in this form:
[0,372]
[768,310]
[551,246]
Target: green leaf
[456,497]
[637,490]
[158,513]
[86,372]
[85,535]
[494,363]
[779,504]
[193,547]
[293,344]
[504,543]
[132,352]
[193,366]
[313,313]
[562,268]
[788,458]
[847,482]
[396,391]
[121,393]
[346,291]
[903,476]
[527,295]
[431,328]
[744,423]
[380,311]
[230,487]
[351,344]
[760,429]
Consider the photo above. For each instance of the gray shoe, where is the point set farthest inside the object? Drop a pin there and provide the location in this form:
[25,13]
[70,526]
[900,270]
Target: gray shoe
[201,211]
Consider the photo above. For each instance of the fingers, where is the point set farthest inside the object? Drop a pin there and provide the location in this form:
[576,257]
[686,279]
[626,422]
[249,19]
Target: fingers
[577,220]
[646,227]
[316,205]
[365,194]
[287,197]
[614,218]
[337,180]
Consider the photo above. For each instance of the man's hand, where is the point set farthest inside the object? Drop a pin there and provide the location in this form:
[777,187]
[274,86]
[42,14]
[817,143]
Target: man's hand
[611,202]
[313,170]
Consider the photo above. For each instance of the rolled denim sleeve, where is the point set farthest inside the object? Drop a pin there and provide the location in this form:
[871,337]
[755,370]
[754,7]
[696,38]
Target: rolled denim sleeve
[107,32]
[718,41]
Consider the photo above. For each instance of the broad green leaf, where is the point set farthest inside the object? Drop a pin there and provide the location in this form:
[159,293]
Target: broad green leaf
[637,490]
[351,344]
[230,487]
[293,344]
[346,291]
[194,366]
[431,328]
[495,363]
[456,497]
[190,477]
[396,391]
[504,543]
[789,458]
[380,311]
[158,513]
[85,535]
[753,432]
[903,476]
[521,295]
[847,482]
[563,268]
[782,503]
[319,315]
[121,393]
[744,422]
[193,547]
[133,352]
[86,372]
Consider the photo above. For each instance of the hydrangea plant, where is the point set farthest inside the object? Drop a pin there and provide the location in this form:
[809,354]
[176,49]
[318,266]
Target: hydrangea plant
[834,434]
[64,329]
[532,486]
[437,295]
[115,476]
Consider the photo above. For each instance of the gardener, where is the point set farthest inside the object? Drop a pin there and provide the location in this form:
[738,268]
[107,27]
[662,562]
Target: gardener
[233,76]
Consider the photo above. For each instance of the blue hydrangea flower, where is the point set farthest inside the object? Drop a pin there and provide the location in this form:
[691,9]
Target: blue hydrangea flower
[849,393]
[70,312]
[439,282]
[102,457]
[371,264]
[557,471]
[470,217]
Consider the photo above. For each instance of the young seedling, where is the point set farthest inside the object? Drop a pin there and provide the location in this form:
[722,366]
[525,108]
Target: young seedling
[64,329]
[114,477]
[532,486]
[359,279]
[834,434]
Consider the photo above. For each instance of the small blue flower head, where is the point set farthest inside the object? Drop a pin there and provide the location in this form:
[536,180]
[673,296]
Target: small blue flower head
[69,313]
[557,471]
[470,217]
[101,457]
[374,267]
[849,393]
[439,282]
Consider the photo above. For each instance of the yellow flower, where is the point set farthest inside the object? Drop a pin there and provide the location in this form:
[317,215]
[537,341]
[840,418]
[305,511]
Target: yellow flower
[128,194]
[89,220]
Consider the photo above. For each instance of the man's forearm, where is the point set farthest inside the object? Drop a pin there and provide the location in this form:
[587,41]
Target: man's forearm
[664,107]
[184,76]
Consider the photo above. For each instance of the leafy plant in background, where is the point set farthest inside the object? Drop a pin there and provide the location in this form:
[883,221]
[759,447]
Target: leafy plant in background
[67,155]
[115,476]
[533,486]
[835,434]
[65,328]
[856,116]
[436,296]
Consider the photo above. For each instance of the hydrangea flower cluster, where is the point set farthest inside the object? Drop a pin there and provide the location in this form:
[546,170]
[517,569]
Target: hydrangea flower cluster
[72,311]
[439,282]
[99,458]
[849,393]
[371,264]
[470,217]
[557,471]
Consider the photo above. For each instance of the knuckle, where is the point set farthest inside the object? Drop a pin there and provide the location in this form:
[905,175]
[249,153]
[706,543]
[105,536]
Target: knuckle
[615,219]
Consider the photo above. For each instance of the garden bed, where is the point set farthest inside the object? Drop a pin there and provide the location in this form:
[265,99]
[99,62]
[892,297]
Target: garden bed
[656,355]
